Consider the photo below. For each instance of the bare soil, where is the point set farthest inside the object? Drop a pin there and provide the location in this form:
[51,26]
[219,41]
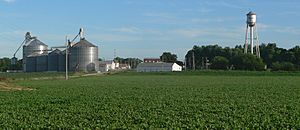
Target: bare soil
[7,86]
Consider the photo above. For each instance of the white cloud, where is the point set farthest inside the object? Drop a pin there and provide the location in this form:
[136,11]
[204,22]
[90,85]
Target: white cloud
[9,1]
[114,38]
[263,27]
[213,32]
[278,29]
[159,15]
[288,30]
[190,33]
[127,30]
[201,10]
[227,4]
[210,20]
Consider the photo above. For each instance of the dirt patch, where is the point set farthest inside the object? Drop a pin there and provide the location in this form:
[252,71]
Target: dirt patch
[6,86]
[3,79]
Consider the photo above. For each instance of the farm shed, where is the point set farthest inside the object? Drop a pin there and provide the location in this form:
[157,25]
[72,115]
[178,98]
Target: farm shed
[105,66]
[158,67]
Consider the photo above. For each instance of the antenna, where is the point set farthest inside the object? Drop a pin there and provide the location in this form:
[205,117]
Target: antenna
[80,35]
[115,53]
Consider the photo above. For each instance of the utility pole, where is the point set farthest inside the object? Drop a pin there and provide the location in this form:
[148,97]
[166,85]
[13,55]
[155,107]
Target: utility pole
[115,53]
[67,47]
[202,60]
[206,63]
[194,66]
[190,62]
[185,60]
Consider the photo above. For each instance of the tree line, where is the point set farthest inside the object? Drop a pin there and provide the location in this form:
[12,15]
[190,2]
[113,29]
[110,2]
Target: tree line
[5,64]
[217,57]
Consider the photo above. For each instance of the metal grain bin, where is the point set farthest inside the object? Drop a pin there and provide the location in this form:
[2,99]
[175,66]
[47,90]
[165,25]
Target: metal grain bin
[30,64]
[62,62]
[53,59]
[33,46]
[42,63]
[83,56]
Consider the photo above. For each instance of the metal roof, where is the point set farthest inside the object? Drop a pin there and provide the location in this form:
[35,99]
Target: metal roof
[55,52]
[251,13]
[34,42]
[83,43]
[156,64]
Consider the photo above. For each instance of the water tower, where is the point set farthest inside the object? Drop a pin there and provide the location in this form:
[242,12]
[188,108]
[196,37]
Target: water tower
[251,34]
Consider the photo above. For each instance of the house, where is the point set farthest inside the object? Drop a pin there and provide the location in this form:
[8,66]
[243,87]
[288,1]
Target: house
[158,67]
[124,66]
[105,66]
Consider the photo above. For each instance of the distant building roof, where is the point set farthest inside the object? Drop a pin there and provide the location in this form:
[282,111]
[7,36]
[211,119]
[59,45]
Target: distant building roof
[156,64]
[83,43]
[55,52]
[106,62]
[151,60]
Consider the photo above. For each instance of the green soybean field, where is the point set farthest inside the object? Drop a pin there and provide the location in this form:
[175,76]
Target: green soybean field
[216,100]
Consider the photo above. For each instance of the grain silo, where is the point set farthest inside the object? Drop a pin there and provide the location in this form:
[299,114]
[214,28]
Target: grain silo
[62,61]
[53,60]
[32,47]
[30,64]
[83,56]
[42,63]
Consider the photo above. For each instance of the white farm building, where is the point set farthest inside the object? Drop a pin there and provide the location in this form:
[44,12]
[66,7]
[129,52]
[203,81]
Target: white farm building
[158,67]
[105,66]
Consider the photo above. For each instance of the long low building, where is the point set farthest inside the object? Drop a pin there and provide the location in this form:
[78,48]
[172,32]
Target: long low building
[158,67]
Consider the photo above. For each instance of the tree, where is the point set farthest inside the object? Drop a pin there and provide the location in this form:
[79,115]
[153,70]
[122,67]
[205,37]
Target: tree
[276,66]
[132,62]
[288,66]
[168,57]
[248,62]
[284,66]
[295,55]
[4,64]
[119,60]
[220,63]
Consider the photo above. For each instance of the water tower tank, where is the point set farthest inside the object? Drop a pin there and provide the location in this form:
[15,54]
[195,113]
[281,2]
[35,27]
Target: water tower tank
[251,19]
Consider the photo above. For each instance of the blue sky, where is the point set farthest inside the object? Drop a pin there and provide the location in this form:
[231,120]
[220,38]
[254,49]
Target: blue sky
[147,28]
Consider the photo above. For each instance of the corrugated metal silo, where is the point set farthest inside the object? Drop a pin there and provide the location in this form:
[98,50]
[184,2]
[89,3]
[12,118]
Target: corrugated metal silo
[31,64]
[33,46]
[83,56]
[53,60]
[42,63]
[62,61]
